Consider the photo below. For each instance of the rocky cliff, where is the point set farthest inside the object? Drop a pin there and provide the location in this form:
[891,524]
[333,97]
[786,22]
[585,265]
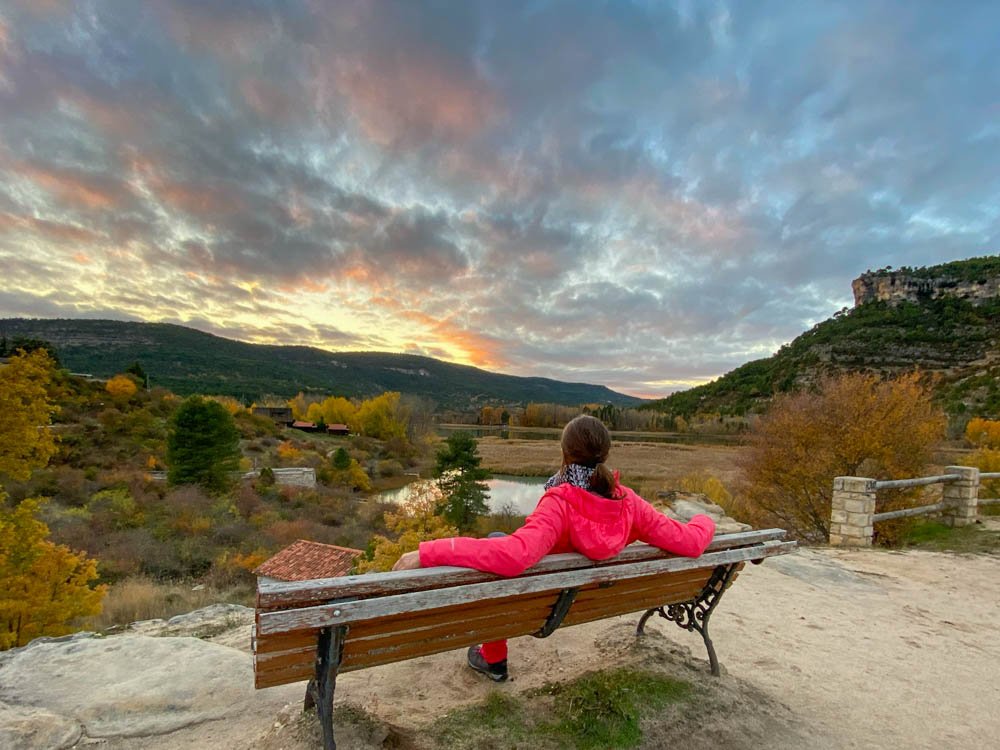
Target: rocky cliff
[977,280]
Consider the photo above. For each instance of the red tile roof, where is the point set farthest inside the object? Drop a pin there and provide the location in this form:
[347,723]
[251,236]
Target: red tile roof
[302,423]
[306,560]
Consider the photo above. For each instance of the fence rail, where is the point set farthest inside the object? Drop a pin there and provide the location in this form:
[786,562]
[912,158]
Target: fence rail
[891,484]
[853,516]
[923,510]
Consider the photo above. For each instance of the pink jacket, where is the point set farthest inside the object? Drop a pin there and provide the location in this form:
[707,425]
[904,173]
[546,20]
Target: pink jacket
[570,519]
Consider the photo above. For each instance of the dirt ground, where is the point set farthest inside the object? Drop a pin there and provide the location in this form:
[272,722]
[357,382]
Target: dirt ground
[821,649]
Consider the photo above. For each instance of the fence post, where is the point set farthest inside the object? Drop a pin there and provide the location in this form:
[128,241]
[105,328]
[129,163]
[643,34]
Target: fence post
[851,512]
[961,497]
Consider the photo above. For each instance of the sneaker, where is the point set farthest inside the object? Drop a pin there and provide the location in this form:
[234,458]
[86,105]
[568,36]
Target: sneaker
[496,672]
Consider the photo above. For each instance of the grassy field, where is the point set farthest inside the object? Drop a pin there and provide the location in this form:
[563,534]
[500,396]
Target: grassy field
[646,467]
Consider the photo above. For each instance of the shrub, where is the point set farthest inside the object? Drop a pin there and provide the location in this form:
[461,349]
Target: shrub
[851,425]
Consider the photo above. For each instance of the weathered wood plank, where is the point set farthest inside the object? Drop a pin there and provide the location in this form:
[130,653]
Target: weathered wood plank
[375,637]
[274,594]
[352,611]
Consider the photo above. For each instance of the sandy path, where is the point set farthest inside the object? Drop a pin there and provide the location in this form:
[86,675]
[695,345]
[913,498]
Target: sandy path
[870,649]
[866,649]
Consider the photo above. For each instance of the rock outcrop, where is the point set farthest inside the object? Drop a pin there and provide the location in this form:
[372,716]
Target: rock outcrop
[683,506]
[900,286]
[155,678]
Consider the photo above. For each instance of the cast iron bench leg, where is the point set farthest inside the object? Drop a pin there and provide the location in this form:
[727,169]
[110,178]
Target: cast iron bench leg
[319,692]
[695,614]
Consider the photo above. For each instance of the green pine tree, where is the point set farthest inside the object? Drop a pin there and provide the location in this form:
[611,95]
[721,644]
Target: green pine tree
[203,446]
[461,479]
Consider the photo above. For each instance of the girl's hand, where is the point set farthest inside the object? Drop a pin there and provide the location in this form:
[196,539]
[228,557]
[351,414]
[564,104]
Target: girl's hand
[409,561]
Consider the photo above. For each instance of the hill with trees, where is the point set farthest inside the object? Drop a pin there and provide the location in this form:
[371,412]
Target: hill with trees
[187,361]
[951,337]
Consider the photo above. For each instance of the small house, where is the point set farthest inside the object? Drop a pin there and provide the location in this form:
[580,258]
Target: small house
[337,429]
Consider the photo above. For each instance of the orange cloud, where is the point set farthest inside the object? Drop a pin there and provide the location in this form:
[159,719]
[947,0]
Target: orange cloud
[204,201]
[414,99]
[50,229]
[76,187]
[270,101]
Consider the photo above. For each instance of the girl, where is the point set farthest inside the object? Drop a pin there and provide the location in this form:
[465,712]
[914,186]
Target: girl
[584,509]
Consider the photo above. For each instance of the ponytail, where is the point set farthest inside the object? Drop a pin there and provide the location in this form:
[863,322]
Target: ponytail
[603,481]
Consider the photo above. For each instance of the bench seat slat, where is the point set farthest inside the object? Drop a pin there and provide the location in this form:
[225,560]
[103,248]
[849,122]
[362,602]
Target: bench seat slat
[278,594]
[353,611]
[506,607]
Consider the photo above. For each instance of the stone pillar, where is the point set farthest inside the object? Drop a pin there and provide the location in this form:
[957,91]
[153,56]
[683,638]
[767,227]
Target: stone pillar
[961,497]
[851,514]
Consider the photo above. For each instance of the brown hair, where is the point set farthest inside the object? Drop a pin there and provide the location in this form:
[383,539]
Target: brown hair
[586,441]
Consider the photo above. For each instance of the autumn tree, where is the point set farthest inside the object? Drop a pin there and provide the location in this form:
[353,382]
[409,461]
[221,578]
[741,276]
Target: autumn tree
[983,433]
[347,471]
[26,442]
[44,586]
[121,387]
[849,425]
[461,480]
[332,410]
[203,445]
[415,521]
[381,417]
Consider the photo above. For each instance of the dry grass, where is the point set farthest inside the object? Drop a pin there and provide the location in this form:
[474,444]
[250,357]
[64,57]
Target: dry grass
[647,467]
[144,598]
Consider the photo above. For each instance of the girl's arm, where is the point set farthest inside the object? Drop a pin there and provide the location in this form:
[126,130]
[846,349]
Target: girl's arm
[688,539]
[508,555]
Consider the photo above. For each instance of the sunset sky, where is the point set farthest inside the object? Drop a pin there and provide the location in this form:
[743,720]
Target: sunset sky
[638,195]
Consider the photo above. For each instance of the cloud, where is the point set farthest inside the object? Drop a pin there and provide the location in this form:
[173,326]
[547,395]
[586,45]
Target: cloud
[637,194]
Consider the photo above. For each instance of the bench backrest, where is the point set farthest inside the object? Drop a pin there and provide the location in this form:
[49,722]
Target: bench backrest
[396,616]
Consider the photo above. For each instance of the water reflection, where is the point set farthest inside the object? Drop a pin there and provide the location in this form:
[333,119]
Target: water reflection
[521,493]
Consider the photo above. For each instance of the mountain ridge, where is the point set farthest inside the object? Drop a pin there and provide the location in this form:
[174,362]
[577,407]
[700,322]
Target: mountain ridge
[187,360]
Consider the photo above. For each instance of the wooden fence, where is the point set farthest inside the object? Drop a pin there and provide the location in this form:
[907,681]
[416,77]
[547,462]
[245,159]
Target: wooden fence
[853,516]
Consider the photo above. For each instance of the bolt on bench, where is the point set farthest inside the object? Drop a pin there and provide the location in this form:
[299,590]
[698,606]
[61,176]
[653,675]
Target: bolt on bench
[314,630]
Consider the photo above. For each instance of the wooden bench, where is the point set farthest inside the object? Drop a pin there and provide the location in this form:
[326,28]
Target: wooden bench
[314,630]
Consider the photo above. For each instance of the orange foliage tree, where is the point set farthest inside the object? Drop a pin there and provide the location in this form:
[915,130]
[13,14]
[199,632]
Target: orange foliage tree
[850,425]
[983,433]
[121,387]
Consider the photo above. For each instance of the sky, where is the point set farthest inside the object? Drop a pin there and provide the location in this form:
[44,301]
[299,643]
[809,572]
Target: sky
[641,195]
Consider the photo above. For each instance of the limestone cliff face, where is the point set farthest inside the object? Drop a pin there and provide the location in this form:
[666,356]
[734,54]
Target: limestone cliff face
[899,286]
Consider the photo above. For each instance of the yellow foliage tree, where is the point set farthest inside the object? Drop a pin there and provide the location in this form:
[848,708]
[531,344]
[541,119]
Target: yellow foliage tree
[26,442]
[983,433]
[121,387]
[851,425]
[230,404]
[381,417]
[288,453]
[332,410]
[44,586]
[414,523]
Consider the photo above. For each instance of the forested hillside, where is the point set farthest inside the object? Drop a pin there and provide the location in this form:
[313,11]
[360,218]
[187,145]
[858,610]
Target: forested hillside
[188,361]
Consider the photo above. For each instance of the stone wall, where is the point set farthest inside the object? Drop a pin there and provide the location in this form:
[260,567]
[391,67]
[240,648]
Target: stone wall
[899,286]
